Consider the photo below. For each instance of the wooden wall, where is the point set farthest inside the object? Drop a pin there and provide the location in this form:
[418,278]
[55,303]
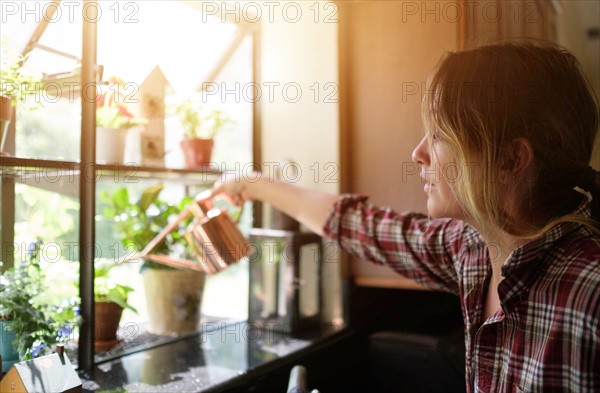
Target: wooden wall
[387,51]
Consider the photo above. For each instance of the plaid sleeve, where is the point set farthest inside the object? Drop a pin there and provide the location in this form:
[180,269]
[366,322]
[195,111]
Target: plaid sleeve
[422,249]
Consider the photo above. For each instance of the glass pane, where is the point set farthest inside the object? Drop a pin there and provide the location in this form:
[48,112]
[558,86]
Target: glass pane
[109,236]
[186,49]
[232,92]
[51,131]
[222,295]
[45,119]
[64,34]
[19,20]
[134,37]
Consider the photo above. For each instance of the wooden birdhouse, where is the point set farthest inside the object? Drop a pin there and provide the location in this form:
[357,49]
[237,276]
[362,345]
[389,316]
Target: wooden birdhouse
[151,99]
[51,373]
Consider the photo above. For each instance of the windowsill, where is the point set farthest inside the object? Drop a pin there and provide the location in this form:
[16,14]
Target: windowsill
[134,337]
[221,355]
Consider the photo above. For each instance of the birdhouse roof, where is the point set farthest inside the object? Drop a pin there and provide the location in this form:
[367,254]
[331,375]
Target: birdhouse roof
[158,79]
[52,373]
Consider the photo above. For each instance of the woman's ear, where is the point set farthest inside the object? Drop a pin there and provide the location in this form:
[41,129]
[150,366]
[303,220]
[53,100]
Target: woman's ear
[516,158]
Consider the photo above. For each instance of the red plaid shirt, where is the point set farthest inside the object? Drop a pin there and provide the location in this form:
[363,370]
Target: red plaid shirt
[545,337]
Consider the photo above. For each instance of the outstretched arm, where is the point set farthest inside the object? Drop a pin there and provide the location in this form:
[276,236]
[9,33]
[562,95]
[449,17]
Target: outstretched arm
[416,247]
[309,207]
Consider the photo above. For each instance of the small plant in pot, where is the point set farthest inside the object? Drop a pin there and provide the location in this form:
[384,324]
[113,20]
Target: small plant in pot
[173,296]
[200,125]
[113,121]
[29,326]
[110,300]
[16,85]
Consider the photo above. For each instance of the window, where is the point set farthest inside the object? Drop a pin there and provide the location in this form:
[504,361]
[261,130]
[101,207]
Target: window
[198,55]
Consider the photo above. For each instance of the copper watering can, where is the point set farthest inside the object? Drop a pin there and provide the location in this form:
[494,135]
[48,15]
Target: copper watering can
[212,235]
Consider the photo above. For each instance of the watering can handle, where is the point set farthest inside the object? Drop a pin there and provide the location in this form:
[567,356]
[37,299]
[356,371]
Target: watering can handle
[205,201]
[166,230]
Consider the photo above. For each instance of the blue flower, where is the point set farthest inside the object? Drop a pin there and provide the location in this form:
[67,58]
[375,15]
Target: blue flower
[65,331]
[35,351]
[31,247]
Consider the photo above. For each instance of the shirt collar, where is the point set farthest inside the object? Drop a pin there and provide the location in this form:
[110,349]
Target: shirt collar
[536,248]
[528,262]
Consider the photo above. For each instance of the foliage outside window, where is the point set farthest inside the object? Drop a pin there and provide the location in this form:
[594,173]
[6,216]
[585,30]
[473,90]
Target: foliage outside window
[37,323]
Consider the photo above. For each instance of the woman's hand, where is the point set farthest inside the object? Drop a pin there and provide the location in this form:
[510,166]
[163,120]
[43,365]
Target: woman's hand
[234,187]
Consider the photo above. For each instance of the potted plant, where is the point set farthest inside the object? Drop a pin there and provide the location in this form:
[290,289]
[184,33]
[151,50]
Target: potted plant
[110,299]
[16,84]
[200,126]
[29,327]
[173,296]
[113,121]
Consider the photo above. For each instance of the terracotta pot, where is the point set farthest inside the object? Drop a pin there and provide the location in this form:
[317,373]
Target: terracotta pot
[107,315]
[197,152]
[5,116]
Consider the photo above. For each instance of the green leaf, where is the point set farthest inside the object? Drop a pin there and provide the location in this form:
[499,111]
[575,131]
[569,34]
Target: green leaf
[109,213]
[184,202]
[149,196]
[121,198]
[102,271]
[118,294]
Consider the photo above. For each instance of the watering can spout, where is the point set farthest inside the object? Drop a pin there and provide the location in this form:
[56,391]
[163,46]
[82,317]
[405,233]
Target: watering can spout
[205,201]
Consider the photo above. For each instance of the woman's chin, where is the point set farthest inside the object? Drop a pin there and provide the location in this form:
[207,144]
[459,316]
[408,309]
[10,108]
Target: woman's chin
[432,209]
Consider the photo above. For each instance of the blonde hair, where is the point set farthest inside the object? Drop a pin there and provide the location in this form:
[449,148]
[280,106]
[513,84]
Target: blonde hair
[480,101]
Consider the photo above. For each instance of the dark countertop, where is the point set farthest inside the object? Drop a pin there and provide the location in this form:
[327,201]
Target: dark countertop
[203,361]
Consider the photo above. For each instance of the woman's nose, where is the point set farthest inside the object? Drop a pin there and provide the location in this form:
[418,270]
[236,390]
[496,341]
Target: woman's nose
[421,154]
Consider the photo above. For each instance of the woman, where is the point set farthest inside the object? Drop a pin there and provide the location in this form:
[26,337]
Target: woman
[513,215]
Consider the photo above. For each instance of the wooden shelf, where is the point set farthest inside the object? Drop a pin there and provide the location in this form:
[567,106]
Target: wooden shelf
[15,164]
[24,168]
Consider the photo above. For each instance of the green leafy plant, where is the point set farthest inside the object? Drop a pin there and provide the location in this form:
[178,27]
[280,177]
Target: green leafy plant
[16,82]
[37,325]
[139,221]
[113,113]
[106,289]
[199,121]
[116,116]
